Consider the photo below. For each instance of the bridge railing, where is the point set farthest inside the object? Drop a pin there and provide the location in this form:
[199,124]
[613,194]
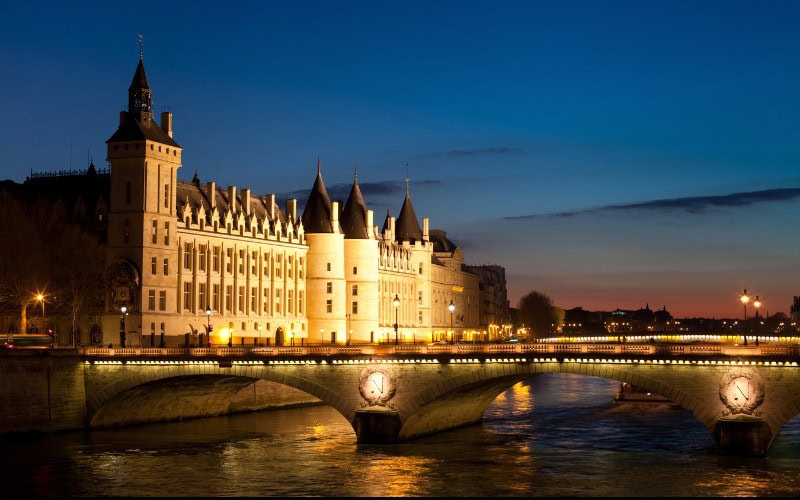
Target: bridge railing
[572,348]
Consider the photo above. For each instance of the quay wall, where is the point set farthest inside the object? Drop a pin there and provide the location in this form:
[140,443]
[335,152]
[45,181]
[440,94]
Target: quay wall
[45,391]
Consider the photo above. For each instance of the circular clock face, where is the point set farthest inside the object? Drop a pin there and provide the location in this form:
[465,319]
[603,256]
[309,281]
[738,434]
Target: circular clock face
[741,394]
[377,387]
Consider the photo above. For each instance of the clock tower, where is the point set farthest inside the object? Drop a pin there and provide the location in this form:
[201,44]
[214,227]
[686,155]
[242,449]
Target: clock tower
[142,244]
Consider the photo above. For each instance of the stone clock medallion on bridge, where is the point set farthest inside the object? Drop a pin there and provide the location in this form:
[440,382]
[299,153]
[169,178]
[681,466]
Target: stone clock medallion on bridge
[741,393]
[377,386]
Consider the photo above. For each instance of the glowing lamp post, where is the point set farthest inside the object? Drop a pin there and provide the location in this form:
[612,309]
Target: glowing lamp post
[745,299]
[123,312]
[757,304]
[451,308]
[396,304]
[208,326]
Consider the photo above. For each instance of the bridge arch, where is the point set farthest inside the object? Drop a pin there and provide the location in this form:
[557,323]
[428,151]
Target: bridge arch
[438,394]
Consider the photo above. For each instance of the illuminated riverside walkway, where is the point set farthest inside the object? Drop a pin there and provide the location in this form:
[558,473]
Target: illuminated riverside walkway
[742,394]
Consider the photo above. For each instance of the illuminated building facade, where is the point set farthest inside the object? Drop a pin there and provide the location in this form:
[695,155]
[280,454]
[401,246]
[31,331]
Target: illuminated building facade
[183,256]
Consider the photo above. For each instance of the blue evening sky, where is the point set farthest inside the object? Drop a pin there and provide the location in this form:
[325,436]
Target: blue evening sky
[606,153]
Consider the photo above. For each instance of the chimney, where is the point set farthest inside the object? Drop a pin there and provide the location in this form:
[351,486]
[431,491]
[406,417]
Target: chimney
[246,201]
[391,228]
[425,225]
[291,209]
[270,202]
[335,216]
[166,122]
[232,199]
[212,194]
[369,223]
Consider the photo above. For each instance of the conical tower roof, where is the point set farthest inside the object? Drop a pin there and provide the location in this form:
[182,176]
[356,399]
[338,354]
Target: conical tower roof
[317,212]
[407,228]
[354,215]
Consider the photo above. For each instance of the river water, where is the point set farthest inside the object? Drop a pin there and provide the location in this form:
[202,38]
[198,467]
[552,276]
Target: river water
[551,435]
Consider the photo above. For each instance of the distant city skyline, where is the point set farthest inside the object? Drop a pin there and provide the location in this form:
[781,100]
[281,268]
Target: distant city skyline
[607,154]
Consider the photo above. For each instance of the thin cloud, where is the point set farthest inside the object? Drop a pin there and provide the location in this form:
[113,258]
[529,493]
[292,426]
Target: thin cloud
[462,153]
[691,204]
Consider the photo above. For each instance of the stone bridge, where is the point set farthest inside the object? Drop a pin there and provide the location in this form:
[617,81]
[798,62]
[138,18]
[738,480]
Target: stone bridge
[742,397]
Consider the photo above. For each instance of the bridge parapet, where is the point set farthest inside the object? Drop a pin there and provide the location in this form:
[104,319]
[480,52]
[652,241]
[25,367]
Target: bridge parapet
[572,348]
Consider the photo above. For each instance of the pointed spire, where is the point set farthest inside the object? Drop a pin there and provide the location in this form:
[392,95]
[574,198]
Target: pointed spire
[317,212]
[196,179]
[139,94]
[354,215]
[407,228]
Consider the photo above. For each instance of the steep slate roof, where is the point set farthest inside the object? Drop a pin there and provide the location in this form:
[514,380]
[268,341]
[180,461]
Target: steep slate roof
[317,212]
[196,195]
[440,241]
[407,227]
[132,129]
[354,215]
[139,81]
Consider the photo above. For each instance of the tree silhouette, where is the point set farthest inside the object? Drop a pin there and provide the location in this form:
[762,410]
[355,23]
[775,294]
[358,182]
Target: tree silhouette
[537,313]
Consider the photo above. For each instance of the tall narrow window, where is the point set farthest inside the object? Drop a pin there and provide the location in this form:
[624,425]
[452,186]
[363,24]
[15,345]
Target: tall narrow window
[166,233]
[162,303]
[166,266]
[215,260]
[241,261]
[329,305]
[215,296]
[300,296]
[354,308]
[229,260]
[187,295]
[290,302]
[240,305]
[153,265]
[229,298]
[202,258]
[277,301]
[151,300]
[155,232]
[355,290]
[187,256]
[166,195]
[201,295]
[329,287]
[355,270]
[254,299]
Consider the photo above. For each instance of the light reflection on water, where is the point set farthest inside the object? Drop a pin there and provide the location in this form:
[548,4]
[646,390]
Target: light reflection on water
[552,435]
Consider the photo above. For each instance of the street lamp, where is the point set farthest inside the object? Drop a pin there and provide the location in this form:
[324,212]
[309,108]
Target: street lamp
[230,337]
[451,308]
[396,304]
[745,299]
[757,304]
[123,312]
[208,326]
